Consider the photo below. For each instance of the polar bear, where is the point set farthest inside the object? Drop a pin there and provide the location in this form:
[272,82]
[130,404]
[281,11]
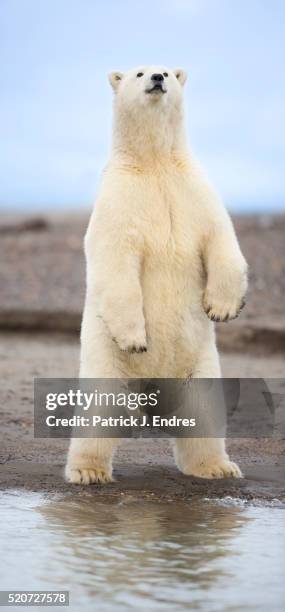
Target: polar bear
[163,264]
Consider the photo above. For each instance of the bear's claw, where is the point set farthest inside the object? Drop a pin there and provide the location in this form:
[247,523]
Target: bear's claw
[137,349]
[220,314]
[131,346]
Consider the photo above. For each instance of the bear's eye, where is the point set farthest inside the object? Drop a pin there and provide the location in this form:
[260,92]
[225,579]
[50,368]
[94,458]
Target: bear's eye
[165,74]
[140,74]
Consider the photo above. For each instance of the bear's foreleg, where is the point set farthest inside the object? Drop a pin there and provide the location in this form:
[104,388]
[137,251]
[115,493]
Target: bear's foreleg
[226,270]
[114,260]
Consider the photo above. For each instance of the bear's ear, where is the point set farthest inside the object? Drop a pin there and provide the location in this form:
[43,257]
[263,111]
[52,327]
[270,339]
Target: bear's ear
[115,79]
[181,75]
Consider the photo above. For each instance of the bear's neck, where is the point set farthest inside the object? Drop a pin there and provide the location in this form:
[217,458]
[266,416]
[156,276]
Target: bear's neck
[151,137]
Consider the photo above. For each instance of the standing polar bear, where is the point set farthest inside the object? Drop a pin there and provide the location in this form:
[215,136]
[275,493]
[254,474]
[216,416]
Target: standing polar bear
[163,263]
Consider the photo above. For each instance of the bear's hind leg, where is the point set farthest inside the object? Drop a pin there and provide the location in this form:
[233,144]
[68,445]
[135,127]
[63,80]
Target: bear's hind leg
[205,457]
[90,460]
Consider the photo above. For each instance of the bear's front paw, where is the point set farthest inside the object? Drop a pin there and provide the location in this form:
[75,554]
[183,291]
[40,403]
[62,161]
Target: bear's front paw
[133,344]
[222,310]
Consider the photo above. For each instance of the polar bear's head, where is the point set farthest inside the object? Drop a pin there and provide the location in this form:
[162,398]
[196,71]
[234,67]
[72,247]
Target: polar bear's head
[148,86]
[148,111]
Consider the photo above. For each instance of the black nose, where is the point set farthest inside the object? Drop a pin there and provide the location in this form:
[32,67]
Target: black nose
[157,77]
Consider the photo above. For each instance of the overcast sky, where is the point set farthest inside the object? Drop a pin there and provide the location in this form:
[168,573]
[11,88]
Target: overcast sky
[55,101]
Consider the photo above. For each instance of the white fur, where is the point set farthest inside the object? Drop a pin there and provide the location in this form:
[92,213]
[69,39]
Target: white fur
[161,250]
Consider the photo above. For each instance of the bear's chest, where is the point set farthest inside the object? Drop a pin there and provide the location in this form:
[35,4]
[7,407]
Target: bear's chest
[172,232]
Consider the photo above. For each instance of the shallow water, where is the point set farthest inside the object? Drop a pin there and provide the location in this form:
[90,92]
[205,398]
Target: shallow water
[209,555]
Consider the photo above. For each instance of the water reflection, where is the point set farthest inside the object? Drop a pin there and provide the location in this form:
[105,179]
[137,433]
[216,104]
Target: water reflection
[203,555]
[135,552]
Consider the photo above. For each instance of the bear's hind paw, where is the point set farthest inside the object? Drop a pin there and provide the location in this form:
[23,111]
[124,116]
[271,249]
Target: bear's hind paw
[217,469]
[87,476]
